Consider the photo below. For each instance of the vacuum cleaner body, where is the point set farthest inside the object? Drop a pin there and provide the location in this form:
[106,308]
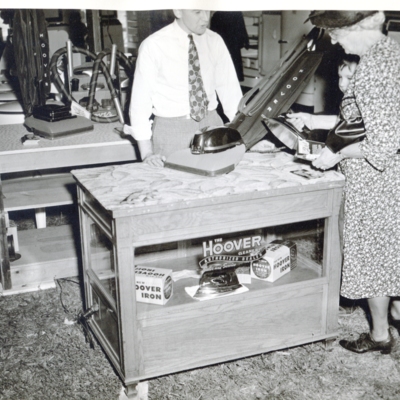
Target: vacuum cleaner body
[271,97]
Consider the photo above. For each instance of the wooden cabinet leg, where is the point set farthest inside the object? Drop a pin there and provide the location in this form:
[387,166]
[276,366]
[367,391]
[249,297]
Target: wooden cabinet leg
[329,344]
[5,273]
[135,391]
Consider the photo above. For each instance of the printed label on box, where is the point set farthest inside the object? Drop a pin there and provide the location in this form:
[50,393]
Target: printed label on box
[292,250]
[302,146]
[153,285]
[274,264]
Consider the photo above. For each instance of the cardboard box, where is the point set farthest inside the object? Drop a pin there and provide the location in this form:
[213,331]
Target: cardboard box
[305,147]
[153,285]
[273,265]
[292,251]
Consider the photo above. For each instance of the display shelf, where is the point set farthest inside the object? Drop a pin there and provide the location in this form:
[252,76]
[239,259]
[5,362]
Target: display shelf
[181,301]
[46,254]
[39,192]
[307,270]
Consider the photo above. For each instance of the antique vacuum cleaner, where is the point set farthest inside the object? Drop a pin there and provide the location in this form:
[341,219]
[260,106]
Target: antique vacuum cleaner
[36,72]
[262,111]
[216,150]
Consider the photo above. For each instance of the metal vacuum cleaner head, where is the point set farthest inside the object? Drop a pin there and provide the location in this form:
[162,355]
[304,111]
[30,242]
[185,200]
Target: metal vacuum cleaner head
[215,139]
[286,133]
[213,151]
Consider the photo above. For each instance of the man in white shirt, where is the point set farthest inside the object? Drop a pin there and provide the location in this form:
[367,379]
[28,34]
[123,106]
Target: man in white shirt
[161,85]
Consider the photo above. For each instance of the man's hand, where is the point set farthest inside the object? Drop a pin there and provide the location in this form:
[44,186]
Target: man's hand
[147,155]
[327,159]
[155,160]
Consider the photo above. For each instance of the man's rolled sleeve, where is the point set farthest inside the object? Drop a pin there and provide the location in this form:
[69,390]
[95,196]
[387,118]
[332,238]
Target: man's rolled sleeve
[141,105]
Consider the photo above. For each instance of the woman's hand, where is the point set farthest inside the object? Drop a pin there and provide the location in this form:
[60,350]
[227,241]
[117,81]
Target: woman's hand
[300,119]
[327,159]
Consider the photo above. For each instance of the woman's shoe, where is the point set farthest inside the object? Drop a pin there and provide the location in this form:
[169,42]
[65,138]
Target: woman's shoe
[366,343]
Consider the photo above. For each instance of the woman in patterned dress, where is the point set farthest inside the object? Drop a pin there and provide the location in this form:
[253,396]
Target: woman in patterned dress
[371,235]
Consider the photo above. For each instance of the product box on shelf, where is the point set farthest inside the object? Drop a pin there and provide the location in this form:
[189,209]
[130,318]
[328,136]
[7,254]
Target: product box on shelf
[278,260]
[292,250]
[153,285]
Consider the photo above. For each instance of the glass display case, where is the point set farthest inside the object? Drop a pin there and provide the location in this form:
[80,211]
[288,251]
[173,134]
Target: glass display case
[145,340]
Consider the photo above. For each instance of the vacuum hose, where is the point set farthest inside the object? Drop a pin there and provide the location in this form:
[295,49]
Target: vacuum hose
[98,63]
[97,66]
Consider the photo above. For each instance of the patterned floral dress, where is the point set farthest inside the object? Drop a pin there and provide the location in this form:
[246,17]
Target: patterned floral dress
[371,234]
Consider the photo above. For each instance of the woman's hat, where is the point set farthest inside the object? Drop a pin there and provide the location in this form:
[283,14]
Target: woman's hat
[337,19]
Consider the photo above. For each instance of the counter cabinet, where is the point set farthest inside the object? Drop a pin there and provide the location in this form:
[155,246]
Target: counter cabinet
[145,340]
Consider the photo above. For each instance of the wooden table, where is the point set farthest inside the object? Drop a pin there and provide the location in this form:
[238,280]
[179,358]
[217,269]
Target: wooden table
[51,252]
[137,215]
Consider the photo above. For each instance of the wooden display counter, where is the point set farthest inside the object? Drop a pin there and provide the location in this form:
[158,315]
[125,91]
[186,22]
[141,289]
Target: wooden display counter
[138,215]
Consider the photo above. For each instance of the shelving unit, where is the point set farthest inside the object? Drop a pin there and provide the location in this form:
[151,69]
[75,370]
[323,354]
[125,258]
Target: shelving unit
[165,231]
[250,56]
[264,31]
[51,252]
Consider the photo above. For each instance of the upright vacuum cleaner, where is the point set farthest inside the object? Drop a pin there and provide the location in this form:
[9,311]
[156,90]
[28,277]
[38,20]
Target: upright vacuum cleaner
[217,150]
[36,72]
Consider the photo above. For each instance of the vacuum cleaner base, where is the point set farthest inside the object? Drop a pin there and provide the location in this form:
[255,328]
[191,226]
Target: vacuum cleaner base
[209,164]
[57,129]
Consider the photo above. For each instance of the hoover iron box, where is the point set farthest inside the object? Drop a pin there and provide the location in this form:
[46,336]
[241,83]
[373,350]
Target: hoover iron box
[153,285]
[280,257]
[292,250]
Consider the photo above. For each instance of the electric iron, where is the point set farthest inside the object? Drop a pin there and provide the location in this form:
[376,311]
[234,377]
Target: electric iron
[216,151]
[217,283]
